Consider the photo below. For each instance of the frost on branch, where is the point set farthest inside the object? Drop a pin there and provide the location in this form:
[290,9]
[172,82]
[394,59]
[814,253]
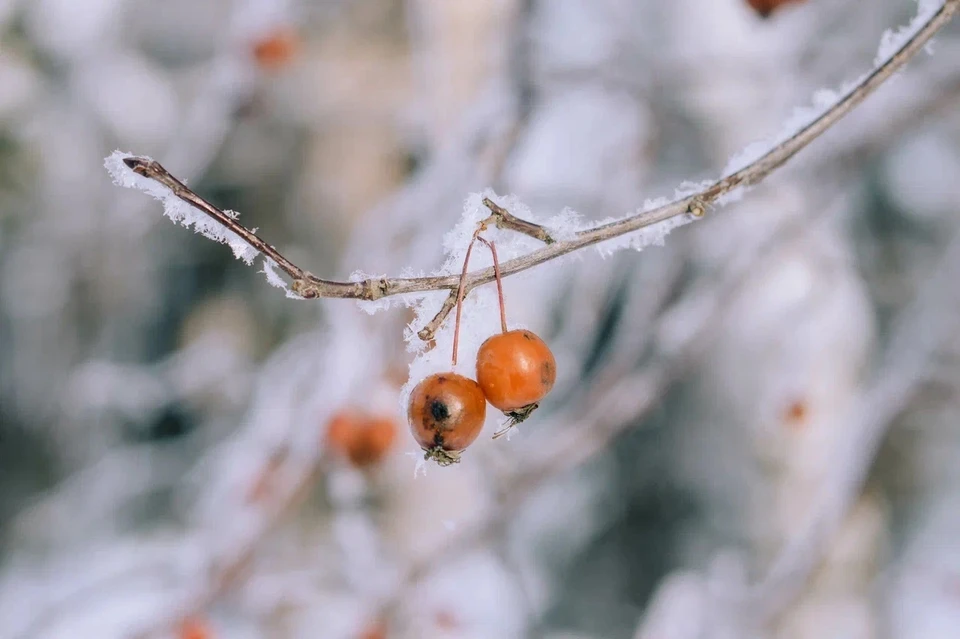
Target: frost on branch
[273,278]
[825,99]
[176,209]
[480,315]
[894,39]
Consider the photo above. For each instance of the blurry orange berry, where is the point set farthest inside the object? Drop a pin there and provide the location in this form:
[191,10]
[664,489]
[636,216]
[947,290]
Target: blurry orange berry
[341,429]
[766,7]
[276,49]
[374,631]
[446,414]
[515,370]
[446,620]
[373,442]
[795,414]
[194,628]
[363,439]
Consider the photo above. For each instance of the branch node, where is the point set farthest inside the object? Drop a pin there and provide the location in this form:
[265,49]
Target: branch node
[305,289]
[382,288]
[136,164]
[697,207]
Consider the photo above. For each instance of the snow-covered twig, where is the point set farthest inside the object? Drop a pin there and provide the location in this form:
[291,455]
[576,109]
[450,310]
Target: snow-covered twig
[692,205]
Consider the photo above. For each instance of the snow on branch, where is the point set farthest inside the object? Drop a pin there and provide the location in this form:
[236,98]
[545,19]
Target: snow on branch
[182,210]
[649,225]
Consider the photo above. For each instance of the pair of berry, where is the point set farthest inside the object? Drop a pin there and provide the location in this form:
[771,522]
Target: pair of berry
[515,370]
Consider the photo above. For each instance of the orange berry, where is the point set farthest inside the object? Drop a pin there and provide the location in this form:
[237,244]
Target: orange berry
[194,628]
[373,442]
[374,631]
[515,370]
[341,431]
[795,415]
[446,414]
[276,49]
[363,439]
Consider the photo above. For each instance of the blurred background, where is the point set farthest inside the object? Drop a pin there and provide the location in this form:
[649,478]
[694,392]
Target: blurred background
[754,431]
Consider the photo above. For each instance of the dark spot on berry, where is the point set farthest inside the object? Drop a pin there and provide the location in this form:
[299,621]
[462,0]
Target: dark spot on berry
[438,440]
[527,335]
[546,373]
[439,410]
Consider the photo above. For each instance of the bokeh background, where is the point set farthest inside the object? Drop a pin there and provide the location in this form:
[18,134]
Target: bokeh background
[755,430]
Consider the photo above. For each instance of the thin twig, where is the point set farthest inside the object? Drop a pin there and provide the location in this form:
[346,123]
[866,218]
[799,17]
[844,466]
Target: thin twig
[309,286]
[503,219]
[304,283]
[430,329]
[506,220]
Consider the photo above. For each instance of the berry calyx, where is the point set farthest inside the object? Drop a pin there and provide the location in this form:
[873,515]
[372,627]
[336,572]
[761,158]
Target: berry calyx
[516,370]
[446,413]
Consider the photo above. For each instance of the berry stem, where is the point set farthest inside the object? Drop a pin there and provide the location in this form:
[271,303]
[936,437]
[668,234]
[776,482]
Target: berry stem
[496,273]
[460,292]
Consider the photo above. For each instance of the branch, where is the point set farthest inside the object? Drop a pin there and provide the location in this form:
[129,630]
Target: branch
[309,286]
[505,220]
[305,283]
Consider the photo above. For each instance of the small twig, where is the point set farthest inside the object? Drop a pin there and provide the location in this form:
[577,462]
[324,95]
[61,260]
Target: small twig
[430,330]
[504,219]
[309,286]
[305,283]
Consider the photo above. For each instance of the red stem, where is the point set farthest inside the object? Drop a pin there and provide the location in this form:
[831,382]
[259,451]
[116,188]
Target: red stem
[496,273]
[460,290]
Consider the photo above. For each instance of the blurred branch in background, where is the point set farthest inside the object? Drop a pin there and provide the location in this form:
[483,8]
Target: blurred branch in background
[199,459]
[922,331]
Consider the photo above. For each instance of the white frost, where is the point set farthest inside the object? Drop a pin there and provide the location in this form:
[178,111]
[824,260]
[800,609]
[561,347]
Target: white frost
[824,99]
[420,464]
[176,209]
[893,39]
[274,279]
